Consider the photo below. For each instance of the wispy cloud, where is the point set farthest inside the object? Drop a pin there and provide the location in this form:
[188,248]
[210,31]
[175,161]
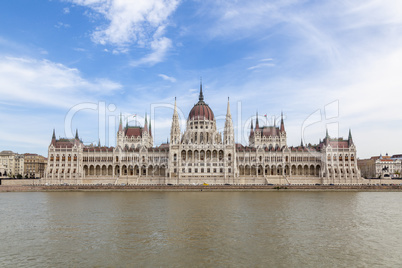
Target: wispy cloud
[168,78]
[62,25]
[263,63]
[142,23]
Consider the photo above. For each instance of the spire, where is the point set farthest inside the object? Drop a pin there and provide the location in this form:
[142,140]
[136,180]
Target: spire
[251,128]
[99,144]
[146,123]
[54,135]
[228,132]
[282,124]
[76,134]
[120,124]
[326,140]
[201,98]
[175,128]
[257,126]
[150,132]
[301,142]
[350,139]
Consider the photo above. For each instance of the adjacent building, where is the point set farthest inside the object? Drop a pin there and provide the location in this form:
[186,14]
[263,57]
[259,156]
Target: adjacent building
[201,154]
[34,165]
[380,167]
[11,164]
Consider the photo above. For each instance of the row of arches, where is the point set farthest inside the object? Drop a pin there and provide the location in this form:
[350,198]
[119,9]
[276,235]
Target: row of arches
[279,170]
[124,170]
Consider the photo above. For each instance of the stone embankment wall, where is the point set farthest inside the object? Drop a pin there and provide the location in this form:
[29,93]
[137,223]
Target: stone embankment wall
[206,188]
[20,182]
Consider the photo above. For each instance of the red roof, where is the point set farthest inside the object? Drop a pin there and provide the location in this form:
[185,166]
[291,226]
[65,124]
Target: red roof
[65,143]
[201,111]
[134,131]
[270,131]
[339,144]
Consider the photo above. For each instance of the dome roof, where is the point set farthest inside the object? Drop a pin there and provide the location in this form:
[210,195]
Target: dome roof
[201,110]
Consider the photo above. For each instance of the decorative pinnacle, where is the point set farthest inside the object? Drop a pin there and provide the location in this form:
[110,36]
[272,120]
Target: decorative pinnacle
[201,98]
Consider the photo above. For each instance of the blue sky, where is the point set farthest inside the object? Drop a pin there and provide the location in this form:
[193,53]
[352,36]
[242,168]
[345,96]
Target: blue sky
[78,64]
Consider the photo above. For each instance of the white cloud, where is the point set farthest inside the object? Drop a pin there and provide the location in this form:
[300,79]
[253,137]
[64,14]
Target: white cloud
[167,78]
[160,48]
[44,82]
[141,22]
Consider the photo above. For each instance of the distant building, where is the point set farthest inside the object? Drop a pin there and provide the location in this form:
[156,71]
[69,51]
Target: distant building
[201,154]
[34,165]
[380,167]
[11,164]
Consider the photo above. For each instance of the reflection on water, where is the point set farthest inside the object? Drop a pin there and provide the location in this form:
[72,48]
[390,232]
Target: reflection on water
[187,229]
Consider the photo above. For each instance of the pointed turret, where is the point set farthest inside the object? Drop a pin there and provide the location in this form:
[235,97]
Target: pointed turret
[53,142]
[228,132]
[120,124]
[326,140]
[175,129]
[149,129]
[251,128]
[76,134]
[301,142]
[99,144]
[257,126]
[282,129]
[146,123]
[350,139]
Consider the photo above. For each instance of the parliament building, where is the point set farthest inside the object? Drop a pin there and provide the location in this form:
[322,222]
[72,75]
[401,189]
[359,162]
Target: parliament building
[202,155]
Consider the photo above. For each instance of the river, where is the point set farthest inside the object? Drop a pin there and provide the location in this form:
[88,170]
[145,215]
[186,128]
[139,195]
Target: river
[201,229]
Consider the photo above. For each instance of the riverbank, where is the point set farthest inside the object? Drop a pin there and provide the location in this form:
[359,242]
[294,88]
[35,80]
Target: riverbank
[199,188]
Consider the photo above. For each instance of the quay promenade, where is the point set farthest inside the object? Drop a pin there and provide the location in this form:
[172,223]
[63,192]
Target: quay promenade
[196,188]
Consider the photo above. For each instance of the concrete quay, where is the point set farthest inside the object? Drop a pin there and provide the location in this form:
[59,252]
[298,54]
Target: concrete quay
[199,188]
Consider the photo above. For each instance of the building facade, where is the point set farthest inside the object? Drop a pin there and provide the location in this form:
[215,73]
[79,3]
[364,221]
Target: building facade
[201,154]
[380,167]
[34,166]
[11,164]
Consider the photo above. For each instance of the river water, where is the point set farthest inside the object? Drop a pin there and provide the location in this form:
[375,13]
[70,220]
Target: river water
[201,229]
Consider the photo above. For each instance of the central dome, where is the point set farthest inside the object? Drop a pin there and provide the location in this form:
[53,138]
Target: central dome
[201,110]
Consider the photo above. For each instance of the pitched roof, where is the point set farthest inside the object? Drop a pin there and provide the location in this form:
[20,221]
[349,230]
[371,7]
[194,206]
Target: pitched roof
[134,131]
